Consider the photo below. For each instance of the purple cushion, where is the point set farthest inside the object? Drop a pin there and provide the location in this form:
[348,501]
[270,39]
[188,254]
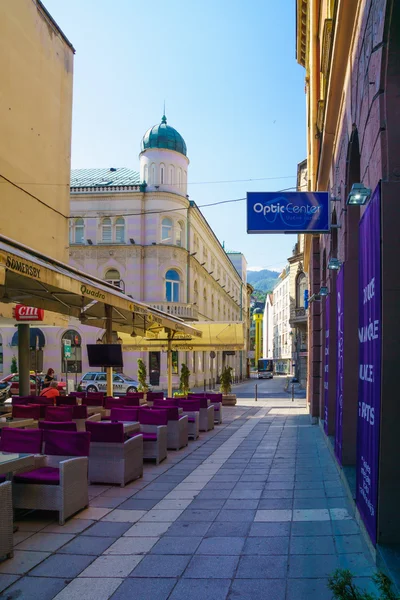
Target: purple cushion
[216,407]
[154,396]
[190,405]
[78,394]
[79,412]
[26,411]
[27,441]
[137,395]
[131,401]
[2,478]
[114,402]
[149,437]
[106,432]
[66,401]
[148,416]
[191,420]
[124,414]
[58,425]
[58,413]
[172,412]
[66,443]
[44,475]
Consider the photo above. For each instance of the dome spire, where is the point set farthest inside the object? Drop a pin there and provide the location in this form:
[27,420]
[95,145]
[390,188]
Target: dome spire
[164,118]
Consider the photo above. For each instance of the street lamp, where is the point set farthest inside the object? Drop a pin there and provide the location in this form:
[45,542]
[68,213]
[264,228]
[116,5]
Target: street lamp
[334,264]
[323,291]
[359,195]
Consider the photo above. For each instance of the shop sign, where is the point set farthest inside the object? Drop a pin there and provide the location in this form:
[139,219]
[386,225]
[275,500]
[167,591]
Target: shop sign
[340,364]
[326,364]
[369,367]
[288,212]
[28,313]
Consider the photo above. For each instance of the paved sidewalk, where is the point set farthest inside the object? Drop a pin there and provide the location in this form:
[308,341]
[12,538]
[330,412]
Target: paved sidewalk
[253,509]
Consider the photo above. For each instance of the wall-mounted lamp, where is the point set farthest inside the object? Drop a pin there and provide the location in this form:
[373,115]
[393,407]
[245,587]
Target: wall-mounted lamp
[334,264]
[90,242]
[132,241]
[359,195]
[133,334]
[314,298]
[323,291]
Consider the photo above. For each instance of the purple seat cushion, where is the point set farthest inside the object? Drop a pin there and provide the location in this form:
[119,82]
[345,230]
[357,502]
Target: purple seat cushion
[114,402]
[66,401]
[148,416]
[58,413]
[66,443]
[191,420]
[26,411]
[124,414]
[132,401]
[106,432]
[190,405]
[44,475]
[149,437]
[58,425]
[79,412]
[27,441]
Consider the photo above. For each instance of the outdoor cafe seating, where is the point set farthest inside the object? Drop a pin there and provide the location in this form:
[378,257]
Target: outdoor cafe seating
[6,520]
[114,459]
[191,408]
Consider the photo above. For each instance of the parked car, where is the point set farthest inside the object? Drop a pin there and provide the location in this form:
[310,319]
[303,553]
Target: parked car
[5,392]
[13,379]
[97,382]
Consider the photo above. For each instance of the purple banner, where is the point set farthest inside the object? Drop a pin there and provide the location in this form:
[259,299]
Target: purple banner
[340,364]
[369,383]
[326,364]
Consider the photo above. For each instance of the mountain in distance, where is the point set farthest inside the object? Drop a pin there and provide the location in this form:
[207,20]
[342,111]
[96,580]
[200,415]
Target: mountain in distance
[264,280]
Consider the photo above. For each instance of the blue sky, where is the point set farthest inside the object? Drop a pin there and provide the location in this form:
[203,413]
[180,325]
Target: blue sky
[232,88]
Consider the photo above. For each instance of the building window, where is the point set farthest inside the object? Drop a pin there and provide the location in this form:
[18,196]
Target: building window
[73,364]
[112,276]
[219,309]
[146,173]
[301,284]
[166,231]
[78,232]
[162,171]
[205,307]
[212,307]
[195,292]
[120,230]
[153,174]
[106,231]
[172,286]
[179,177]
[179,233]
[175,362]
[171,175]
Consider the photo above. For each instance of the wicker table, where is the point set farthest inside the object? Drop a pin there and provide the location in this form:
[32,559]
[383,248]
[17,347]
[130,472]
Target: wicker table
[10,462]
[21,423]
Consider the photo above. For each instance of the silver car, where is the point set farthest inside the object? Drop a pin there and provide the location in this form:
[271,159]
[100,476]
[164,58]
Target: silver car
[97,382]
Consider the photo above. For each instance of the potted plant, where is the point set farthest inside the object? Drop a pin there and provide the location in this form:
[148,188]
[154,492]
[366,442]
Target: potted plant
[343,587]
[228,399]
[142,377]
[184,387]
[14,365]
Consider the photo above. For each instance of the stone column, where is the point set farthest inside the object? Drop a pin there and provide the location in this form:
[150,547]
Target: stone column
[24,359]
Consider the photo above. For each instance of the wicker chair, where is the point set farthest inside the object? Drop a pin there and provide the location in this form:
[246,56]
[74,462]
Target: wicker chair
[112,458]
[59,413]
[153,426]
[58,425]
[177,427]
[23,441]
[80,416]
[60,482]
[191,408]
[216,402]
[26,411]
[66,401]
[6,520]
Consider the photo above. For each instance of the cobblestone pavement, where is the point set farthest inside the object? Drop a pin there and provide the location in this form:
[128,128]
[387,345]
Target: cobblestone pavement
[253,509]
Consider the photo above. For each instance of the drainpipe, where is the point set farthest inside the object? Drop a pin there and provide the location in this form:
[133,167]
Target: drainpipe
[109,370]
[188,255]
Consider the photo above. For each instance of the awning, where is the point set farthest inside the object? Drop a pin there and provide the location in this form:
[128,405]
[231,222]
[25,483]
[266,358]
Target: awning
[214,336]
[30,278]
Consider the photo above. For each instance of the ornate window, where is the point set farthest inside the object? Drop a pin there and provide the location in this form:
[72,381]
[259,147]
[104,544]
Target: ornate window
[172,286]
[77,232]
[166,230]
[112,276]
[73,364]
[171,175]
[106,231]
[301,285]
[179,233]
[162,174]
[120,230]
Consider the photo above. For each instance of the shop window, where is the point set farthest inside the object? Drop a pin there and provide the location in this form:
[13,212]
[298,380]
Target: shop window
[72,364]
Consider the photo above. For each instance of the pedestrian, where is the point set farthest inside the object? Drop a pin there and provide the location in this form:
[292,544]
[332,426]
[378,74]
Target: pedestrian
[51,391]
[48,378]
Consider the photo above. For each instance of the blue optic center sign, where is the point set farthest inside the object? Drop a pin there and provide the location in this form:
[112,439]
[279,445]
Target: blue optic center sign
[288,212]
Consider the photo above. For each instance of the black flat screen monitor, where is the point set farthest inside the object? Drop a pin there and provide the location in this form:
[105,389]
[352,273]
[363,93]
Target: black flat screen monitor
[105,355]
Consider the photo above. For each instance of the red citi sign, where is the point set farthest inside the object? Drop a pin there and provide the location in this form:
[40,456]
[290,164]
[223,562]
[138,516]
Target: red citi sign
[28,313]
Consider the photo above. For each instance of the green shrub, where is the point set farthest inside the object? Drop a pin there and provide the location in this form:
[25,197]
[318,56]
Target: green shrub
[184,388]
[343,588]
[142,376]
[226,380]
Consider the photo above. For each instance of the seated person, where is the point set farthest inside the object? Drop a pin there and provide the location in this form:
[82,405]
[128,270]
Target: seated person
[51,391]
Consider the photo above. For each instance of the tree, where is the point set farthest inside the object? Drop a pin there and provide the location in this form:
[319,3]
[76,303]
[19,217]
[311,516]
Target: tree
[14,365]
[142,376]
[184,380]
[226,380]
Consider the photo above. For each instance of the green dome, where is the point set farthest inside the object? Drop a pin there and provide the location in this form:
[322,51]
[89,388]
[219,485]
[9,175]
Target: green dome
[163,136]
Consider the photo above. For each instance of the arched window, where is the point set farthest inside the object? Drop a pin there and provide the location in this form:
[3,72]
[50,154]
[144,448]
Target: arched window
[180,233]
[146,173]
[219,309]
[172,286]
[166,230]
[179,176]
[212,307]
[195,293]
[77,232]
[205,307]
[171,175]
[73,363]
[120,230]
[301,283]
[113,276]
[153,174]
[106,231]
[162,174]
[1,353]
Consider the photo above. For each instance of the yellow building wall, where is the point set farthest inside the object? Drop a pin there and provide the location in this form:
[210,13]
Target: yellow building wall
[36,66]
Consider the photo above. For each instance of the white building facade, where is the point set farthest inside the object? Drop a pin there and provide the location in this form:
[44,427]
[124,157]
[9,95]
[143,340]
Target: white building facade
[268,328]
[140,232]
[282,344]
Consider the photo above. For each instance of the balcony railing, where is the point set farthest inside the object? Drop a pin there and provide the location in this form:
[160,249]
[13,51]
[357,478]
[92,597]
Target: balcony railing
[178,309]
[298,315]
